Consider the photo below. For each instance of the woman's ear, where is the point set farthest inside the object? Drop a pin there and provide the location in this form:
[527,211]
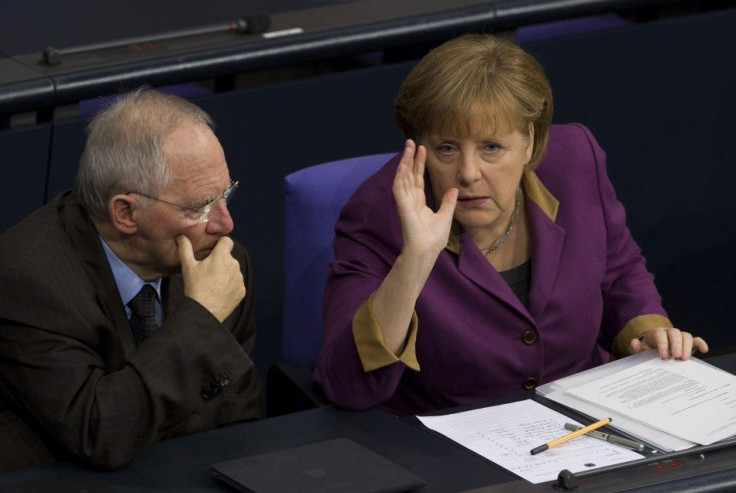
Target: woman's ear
[529,151]
[121,210]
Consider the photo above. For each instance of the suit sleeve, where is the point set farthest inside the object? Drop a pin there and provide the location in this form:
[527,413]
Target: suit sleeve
[64,370]
[631,302]
[367,242]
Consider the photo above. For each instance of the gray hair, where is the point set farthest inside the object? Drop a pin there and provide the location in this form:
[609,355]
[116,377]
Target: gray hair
[124,150]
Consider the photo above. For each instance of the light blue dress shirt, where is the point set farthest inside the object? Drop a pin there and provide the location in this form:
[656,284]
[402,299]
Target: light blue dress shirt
[129,283]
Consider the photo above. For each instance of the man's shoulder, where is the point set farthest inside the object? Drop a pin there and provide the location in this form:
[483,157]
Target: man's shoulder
[39,236]
[31,233]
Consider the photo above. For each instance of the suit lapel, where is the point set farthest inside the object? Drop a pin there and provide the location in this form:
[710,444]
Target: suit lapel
[473,265]
[547,242]
[546,249]
[86,241]
[172,293]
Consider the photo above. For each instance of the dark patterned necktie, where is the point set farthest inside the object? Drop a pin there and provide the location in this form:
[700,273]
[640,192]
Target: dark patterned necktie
[143,320]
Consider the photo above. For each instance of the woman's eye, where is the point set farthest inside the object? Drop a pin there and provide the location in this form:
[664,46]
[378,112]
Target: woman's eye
[445,148]
[491,147]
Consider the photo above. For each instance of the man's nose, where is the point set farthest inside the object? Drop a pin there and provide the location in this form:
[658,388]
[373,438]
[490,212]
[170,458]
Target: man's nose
[220,221]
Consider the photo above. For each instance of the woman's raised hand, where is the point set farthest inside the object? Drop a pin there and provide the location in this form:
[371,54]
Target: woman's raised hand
[425,231]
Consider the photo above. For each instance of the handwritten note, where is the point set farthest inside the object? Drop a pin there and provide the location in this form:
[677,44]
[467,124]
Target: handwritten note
[505,434]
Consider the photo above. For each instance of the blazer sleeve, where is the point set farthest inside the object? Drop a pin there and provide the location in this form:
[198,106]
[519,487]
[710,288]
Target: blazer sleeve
[631,302]
[367,242]
[63,368]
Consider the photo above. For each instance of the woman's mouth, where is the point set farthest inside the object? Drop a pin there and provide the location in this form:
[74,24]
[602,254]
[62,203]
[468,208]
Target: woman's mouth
[471,202]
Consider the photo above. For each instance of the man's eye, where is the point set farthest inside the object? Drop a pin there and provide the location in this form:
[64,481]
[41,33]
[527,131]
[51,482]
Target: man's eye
[199,209]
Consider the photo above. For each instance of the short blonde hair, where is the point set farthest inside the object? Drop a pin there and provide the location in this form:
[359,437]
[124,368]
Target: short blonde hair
[476,80]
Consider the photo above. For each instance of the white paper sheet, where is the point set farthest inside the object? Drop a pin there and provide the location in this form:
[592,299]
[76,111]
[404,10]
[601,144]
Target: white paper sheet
[688,399]
[557,392]
[663,442]
[506,434]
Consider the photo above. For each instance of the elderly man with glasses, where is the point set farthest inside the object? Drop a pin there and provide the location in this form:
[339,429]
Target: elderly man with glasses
[126,312]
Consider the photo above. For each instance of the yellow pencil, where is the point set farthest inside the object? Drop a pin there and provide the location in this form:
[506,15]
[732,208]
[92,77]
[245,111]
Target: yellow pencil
[570,436]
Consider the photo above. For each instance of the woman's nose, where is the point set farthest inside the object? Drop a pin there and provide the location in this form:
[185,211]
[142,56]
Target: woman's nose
[469,170]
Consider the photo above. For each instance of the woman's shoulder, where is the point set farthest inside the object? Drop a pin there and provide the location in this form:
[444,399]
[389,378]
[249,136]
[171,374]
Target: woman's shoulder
[568,137]
[372,205]
[376,189]
[573,161]
[571,147]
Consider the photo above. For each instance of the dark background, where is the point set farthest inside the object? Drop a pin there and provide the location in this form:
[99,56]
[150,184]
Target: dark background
[655,85]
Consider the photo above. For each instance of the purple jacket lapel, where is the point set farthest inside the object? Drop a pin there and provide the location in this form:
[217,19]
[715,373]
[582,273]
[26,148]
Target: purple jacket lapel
[547,241]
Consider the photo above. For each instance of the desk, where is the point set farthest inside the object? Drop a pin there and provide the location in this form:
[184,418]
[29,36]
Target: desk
[181,464]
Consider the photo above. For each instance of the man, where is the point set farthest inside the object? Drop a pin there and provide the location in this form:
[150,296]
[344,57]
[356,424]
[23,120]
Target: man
[126,313]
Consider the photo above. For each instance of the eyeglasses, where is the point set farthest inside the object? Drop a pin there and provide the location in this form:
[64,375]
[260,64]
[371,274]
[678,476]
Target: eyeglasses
[200,214]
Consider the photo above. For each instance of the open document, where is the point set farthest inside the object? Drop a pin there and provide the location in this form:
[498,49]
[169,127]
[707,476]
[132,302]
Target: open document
[687,399]
[505,434]
[670,404]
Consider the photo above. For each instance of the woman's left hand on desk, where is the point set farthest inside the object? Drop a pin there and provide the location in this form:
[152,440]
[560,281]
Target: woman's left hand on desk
[670,342]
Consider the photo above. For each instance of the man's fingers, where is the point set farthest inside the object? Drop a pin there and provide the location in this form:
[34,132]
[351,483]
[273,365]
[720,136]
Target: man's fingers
[184,248]
[224,244]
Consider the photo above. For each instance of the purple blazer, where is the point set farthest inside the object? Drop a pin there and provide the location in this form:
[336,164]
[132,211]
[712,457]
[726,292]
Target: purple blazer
[475,339]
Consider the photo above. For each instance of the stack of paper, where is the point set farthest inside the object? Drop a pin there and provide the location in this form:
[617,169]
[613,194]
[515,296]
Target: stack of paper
[670,404]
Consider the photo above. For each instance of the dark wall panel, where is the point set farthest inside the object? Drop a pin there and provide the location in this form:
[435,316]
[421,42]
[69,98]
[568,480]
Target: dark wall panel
[66,148]
[24,155]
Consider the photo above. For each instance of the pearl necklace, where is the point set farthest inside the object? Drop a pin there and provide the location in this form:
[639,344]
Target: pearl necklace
[514,219]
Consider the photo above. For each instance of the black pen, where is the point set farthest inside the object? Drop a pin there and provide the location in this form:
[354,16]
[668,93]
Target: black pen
[608,437]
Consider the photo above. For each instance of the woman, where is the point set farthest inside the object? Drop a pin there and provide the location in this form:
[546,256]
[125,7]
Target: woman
[496,270]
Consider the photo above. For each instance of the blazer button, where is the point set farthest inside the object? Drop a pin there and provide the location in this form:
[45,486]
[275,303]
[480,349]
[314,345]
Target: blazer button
[530,383]
[529,337]
[223,381]
[209,391]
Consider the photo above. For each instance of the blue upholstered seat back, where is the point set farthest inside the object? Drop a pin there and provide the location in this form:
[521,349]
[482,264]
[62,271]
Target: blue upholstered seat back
[314,198]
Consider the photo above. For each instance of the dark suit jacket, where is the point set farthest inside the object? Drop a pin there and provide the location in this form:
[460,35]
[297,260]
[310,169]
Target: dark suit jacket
[69,367]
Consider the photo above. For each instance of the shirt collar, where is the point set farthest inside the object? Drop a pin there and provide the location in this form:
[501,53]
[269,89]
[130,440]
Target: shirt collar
[128,282]
[534,189]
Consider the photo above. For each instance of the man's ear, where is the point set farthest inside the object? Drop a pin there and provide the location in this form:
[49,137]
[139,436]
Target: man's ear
[121,209]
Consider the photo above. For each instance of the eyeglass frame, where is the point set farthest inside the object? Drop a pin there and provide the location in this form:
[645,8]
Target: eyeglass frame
[203,212]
